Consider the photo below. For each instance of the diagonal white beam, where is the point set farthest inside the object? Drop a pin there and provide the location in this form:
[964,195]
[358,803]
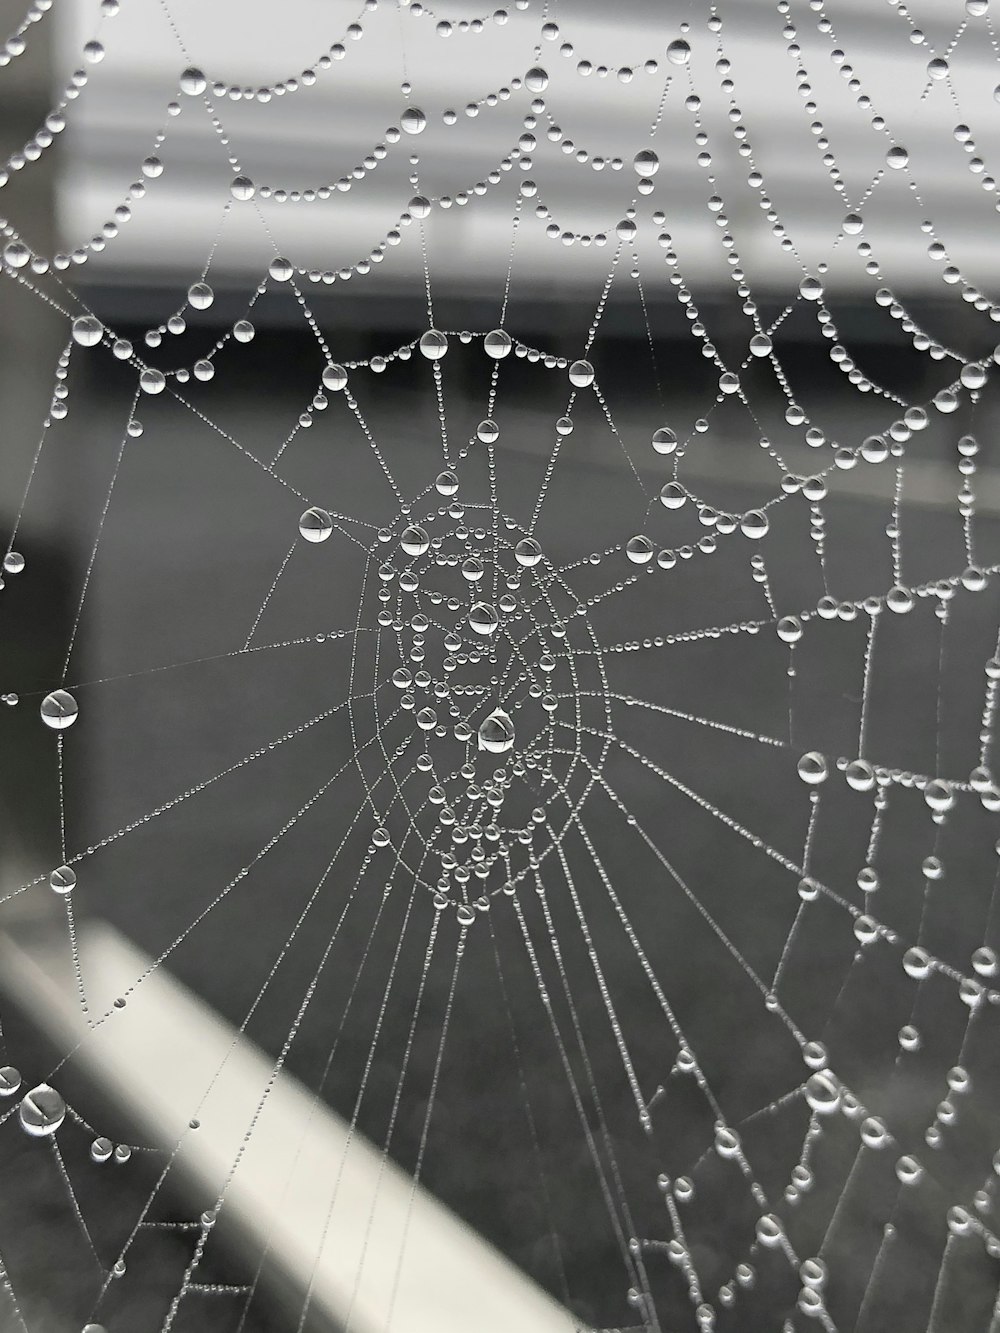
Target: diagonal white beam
[167,1057]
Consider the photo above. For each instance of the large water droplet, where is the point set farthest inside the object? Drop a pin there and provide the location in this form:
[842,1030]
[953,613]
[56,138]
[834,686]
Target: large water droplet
[87,330]
[16,254]
[414,541]
[823,1092]
[483,618]
[59,710]
[200,295]
[755,524]
[413,120]
[496,733]
[192,82]
[433,344]
[581,374]
[812,767]
[497,344]
[527,552]
[679,52]
[639,550]
[62,880]
[315,525]
[10,1080]
[42,1111]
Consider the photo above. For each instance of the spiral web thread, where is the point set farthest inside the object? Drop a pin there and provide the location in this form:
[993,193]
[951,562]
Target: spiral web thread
[517,705]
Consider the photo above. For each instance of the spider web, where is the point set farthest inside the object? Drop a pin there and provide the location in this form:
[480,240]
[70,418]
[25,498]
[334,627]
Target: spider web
[588,751]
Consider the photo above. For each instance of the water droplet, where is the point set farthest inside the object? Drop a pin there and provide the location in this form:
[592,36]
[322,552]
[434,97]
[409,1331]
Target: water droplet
[334,378]
[242,188]
[939,795]
[483,618]
[899,599]
[200,295]
[673,495]
[415,541]
[433,344]
[62,880]
[581,374]
[497,344]
[769,1230]
[760,345]
[315,525]
[496,733]
[87,330]
[280,269]
[639,550]
[13,562]
[897,157]
[910,1038]
[823,1092]
[59,710]
[446,483]
[527,552]
[16,254]
[664,440]
[860,775]
[646,163]
[727,1141]
[984,961]
[192,82]
[755,524]
[42,1111]
[679,52]
[874,1133]
[100,1149]
[811,289]
[536,80]
[909,1170]
[413,120]
[152,381]
[10,1080]
[789,629]
[916,964]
